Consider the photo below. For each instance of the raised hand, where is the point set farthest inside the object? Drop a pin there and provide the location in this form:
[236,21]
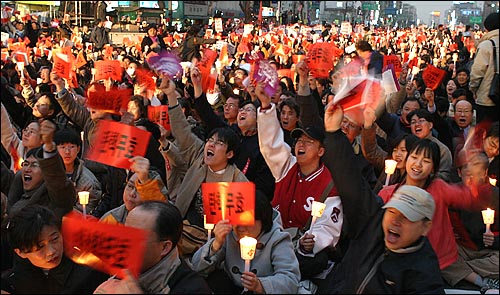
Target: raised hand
[140,166]
[221,230]
[47,130]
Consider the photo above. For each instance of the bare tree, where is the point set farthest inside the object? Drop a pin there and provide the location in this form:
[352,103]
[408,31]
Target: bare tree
[246,7]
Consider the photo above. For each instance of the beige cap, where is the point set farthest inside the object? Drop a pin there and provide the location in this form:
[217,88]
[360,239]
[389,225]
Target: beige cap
[413,202]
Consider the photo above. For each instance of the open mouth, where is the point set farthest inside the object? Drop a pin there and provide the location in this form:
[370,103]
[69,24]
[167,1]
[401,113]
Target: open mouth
[27,178]
[210,154]
[392,236]
[300,152]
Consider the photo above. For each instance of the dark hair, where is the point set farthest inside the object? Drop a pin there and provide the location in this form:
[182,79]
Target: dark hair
[67,135]
[493,130]
[363,46]
[168,223]
[431,150]
[143,109]
[421,113]
[410,98]
[263,211]
[291,103]
[26,225]
[32,152]
[229,137]
[409,139]
[460,70]
[459,92]
[442,103]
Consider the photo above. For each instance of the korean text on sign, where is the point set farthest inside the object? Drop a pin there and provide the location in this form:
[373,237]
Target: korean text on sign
[234,201]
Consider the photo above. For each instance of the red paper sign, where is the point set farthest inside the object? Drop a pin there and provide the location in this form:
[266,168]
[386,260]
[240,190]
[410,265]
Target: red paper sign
[106,69]
[159,115]
[433,76]
[115,143]
[145,78]
[112,101]
[320,59]
[205,66]
[109,248]
[61,67]
[234,201]
[394,60]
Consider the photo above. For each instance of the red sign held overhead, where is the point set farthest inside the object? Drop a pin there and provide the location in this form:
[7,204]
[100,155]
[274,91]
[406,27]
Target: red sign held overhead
[115,143]
[112,101]
[109,248]
[433,76]
[234,201]
[394,60]
[159,115]
[106,69]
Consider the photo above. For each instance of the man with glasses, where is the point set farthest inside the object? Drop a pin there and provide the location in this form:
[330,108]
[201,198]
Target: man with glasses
[249,158]
[231,108]
[42,179]
[212,161]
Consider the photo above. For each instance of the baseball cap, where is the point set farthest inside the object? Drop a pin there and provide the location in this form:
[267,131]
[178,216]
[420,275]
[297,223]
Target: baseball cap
[413,202]
[311,131]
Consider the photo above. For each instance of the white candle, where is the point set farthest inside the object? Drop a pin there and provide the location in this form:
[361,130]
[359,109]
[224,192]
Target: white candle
[488,218]
[83,197]
[390,167]
[317,210]
[247,249]
[20,67]
[208,226]
[493,181]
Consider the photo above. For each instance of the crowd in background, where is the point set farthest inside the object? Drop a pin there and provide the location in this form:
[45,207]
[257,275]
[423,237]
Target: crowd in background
[416,230]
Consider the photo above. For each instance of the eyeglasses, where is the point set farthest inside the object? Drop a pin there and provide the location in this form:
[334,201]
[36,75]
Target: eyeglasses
[27,164]
[67,148]
[216,142]
[30,131]
[305,141]
[229,105]
[247,110]
[465,112]
[419,121]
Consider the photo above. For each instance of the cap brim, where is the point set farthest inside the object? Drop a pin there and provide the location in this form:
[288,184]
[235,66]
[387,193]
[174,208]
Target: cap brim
[408,212]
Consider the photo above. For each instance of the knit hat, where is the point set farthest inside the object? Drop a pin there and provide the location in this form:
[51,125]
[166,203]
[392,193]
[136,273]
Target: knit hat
[413,202]
[491,22]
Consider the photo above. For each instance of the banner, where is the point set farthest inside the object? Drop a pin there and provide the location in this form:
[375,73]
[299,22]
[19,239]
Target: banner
[159,115]
[106,69]
[234,201]
[108,248]
[433,76]
[262,71]
[115,143]
[218,25]
[62,66]
[208,78]
[145,78]
[320,59]
[392,60]
[357,94]
[113,101]
[165,63]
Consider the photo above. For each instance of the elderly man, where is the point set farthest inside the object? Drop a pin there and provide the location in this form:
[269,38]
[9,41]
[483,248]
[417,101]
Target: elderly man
[162,271]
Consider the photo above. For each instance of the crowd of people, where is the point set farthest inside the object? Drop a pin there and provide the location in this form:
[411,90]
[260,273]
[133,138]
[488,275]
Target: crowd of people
[418,229]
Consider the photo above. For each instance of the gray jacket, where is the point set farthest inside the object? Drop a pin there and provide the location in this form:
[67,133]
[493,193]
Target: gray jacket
[276,264]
